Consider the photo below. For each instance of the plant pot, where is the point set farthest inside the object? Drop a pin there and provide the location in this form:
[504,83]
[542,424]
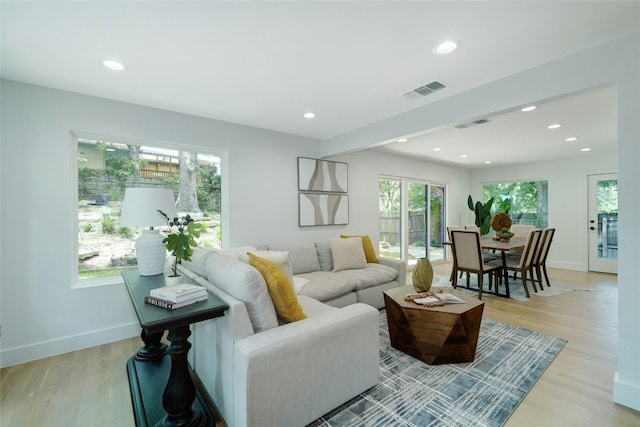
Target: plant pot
[422,276]
[172,280]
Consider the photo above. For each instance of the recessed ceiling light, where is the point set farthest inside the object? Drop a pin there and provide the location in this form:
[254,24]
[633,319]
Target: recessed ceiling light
[571,139]
[487,162]
[309,115]
[402,140]
[554,126]
[464,156]
[585,149]
[437,149]
[446,47]
[529,108]
[113,65]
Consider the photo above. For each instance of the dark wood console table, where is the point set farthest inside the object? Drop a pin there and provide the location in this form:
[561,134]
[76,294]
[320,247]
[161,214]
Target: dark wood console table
[162,390]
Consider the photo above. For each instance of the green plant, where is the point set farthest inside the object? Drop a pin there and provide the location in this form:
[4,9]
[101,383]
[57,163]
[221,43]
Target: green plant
[125,232]
[181,238]
[482,214]
[108,225]
[86,227]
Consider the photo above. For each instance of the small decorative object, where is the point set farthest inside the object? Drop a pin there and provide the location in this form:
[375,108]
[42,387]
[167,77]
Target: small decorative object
[181,239]
[504,235]
[422,275]
[501,221]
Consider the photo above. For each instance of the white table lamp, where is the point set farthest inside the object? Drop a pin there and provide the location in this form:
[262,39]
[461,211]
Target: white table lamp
[140,209]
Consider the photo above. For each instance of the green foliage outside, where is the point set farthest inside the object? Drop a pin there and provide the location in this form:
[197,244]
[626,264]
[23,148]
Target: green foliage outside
[528,201]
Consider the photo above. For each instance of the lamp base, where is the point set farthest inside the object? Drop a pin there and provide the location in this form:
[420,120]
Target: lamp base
[151,253]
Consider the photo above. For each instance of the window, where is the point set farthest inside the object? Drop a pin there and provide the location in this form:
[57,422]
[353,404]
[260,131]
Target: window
[105,168]
[529,201]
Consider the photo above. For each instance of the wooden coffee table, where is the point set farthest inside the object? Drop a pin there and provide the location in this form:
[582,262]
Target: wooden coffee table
[435,335]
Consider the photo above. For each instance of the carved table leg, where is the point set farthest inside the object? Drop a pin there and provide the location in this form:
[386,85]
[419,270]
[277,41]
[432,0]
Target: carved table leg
[180,392]
[153,349]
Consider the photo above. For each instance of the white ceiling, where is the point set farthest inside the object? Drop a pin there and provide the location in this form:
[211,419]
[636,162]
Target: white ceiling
[265,63]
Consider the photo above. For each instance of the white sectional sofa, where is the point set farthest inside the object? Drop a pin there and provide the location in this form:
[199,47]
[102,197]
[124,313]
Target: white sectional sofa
[262,372]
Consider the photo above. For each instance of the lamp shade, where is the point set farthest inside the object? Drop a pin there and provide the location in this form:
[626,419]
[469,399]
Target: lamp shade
[140,207]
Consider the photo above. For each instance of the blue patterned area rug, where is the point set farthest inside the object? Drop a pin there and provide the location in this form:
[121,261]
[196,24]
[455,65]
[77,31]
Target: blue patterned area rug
[509,360]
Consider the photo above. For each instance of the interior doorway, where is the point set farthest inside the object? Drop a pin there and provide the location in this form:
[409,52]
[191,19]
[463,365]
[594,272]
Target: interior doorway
[603,223]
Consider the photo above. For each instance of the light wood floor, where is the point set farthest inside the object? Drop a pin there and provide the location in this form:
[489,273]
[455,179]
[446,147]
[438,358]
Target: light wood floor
[90,387]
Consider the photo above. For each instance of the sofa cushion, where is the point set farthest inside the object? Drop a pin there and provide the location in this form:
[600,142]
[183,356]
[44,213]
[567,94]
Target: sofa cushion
[324,255]
[347,254]
[198,263]
[325,285]
[244,283]
[373,275]
[282,294]
[314,308]
[303,257]
[367,245]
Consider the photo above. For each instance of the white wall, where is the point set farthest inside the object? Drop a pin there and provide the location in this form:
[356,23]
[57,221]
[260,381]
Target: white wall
[567,202]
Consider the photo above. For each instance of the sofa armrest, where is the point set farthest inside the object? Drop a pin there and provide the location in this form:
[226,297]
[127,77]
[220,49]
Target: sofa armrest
[399,265]
[293,374]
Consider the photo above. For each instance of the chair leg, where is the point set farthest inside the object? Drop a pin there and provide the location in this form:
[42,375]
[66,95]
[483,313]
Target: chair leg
[544,268]
[533,280]
[524,283]
[539,277]
[480,278]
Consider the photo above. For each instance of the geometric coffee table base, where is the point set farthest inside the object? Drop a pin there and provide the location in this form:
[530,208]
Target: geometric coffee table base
[435,335]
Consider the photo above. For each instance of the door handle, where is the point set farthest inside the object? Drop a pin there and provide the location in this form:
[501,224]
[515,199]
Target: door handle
[592,228]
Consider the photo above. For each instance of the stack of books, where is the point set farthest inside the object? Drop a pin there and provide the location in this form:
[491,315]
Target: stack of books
[176,296]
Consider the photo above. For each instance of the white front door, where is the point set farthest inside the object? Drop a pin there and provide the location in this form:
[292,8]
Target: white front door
[603,223]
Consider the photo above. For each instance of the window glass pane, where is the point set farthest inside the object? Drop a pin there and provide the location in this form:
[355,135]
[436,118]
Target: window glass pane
[106,169]
[529,201]
[389,209]
[437,222]
[608,219]
[417,221]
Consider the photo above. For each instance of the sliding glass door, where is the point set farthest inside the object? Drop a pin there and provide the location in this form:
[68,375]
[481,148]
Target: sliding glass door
[412,219]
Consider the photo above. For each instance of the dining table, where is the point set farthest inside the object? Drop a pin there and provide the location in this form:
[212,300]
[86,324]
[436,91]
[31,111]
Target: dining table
[493,245]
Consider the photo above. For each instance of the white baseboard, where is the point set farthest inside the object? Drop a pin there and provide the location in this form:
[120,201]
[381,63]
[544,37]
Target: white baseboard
[574,266]
[15,356]
[626,394]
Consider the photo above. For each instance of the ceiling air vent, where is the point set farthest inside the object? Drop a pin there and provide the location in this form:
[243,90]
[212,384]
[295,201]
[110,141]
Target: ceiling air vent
[425,90]
[473,123]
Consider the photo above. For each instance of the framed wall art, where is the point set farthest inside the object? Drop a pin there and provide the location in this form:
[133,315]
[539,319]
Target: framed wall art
[325,176]
[323,209]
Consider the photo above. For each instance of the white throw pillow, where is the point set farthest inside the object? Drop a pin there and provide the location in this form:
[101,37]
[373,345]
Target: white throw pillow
[347,253]
[244,283]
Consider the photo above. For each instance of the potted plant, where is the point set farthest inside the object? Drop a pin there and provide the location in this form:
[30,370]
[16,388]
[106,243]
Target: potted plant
[181,239]
[482,214]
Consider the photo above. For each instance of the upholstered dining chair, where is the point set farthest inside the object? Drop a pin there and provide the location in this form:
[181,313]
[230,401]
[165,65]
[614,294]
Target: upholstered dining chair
[540,262]
[524,264]
[467,255]
[521,230]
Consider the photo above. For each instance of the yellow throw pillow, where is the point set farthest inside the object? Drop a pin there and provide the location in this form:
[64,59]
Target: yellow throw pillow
[369,252]
[284,297]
